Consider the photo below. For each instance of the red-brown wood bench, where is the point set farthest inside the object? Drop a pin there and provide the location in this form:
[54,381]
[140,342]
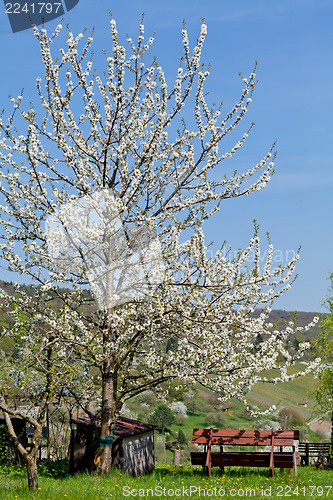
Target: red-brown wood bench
[223,438]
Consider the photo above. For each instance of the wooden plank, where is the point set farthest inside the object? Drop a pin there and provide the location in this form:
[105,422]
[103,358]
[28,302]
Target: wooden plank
[286,459]
[242,441]
[250,459]
[224,433]
[244,438]
[242,459]
[289,433]
[235,441]
[284,442]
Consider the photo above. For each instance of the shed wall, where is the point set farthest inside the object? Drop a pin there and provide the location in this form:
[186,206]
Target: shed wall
[139,454]
[83,447]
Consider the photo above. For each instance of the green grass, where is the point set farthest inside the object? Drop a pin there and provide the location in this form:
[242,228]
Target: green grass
[195,421]
[235,483]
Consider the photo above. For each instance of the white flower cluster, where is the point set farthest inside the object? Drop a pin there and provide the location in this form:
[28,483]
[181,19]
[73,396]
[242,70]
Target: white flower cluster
[179,408]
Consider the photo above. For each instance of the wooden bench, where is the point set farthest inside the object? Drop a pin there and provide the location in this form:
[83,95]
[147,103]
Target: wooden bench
[313,450]
[223,438]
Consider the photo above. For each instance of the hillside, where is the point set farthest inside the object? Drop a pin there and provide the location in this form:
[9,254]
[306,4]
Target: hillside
[280,318]
[289,394]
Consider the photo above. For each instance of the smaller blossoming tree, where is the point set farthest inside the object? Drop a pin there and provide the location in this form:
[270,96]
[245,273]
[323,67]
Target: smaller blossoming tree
[38,371]
[324,389]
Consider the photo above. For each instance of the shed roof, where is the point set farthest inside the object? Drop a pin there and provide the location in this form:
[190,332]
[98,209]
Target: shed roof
[124,426]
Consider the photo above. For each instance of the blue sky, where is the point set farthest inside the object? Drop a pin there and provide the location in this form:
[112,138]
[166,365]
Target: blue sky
[292,104]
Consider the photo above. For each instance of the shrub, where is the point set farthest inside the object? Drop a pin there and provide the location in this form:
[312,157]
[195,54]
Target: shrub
[215,419]
[181,419]
[192,404]
[126,412]
[147,397]
[181,439]
[162,417]
[294,418]
[266,425]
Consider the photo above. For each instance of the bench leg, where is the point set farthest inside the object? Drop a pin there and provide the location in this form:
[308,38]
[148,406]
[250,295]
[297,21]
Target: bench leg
[208,470]
[295,464]
[208,465]
[222,468]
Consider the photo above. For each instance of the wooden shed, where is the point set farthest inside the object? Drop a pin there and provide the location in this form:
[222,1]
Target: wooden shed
[132,447]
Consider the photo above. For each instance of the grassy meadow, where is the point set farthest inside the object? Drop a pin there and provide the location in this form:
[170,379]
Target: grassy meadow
[186,481]
[169,482]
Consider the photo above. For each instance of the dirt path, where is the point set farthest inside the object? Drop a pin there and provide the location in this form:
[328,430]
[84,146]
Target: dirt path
[321,426]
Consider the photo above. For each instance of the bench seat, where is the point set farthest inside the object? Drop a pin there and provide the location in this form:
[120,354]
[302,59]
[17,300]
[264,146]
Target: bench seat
[283,460]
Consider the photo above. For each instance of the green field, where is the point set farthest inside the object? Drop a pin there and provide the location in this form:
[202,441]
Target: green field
[167,482]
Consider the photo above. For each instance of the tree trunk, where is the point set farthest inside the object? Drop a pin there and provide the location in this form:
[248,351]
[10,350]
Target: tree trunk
[176,457]
[29,458]
[31,463]
[331,447]
[48,442]
[103,457]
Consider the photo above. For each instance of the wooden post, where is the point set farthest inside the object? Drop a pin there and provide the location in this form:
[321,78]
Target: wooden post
[48,442]
[307,452]
[271,461]
[209,452]
[221,467]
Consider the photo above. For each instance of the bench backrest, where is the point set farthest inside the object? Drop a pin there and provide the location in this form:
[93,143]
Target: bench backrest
[245,437]
[314,447]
